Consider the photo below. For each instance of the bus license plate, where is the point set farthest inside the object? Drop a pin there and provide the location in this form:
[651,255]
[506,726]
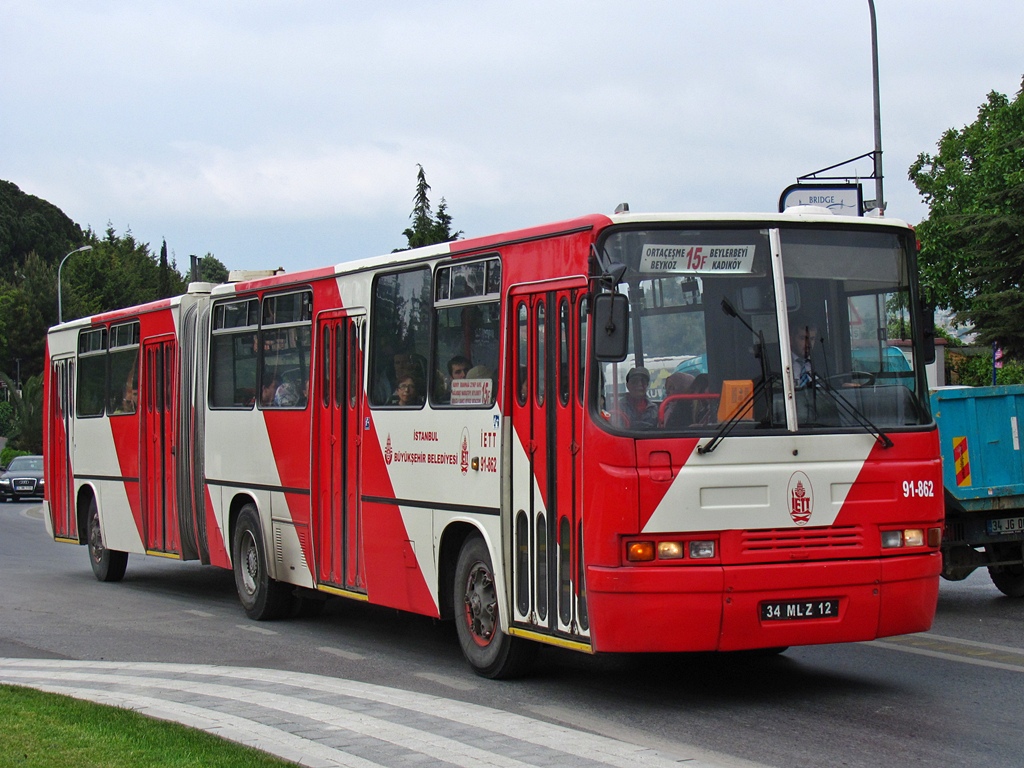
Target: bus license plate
[787,610]
[1005,525]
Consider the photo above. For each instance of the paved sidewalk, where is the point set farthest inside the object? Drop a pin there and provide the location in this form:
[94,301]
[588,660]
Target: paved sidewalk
[323,722]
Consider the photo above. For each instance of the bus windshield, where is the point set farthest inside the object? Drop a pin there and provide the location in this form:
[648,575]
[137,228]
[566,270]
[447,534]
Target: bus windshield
[713,340]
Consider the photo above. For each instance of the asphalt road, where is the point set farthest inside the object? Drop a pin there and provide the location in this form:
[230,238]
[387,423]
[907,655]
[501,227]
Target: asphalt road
[952,696]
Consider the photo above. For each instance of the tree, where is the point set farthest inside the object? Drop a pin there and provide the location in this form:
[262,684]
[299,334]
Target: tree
[118,272]
[212,270]
[972,255]
[427,228]
[27,434]
[29,224]
[28,306]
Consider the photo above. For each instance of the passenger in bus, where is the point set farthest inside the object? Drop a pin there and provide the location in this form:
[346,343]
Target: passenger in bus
[458,367]
[704,410]
[129,400]
[802,337]
[640,413]
[678,413]
[269,388]
[286,396]
[403,364]
[407,393]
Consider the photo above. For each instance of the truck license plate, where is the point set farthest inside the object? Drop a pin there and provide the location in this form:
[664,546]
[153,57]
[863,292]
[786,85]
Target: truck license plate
[1004,525]
[788,610]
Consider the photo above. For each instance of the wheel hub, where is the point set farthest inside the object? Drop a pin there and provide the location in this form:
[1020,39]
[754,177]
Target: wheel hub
[481,604]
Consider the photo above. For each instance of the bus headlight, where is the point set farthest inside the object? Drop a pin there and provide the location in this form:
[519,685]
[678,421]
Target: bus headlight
[702,550]
[670,550]
[907,537]
[892,539]
[913,537]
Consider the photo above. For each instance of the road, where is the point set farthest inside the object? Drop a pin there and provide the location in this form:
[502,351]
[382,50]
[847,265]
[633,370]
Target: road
[952,696]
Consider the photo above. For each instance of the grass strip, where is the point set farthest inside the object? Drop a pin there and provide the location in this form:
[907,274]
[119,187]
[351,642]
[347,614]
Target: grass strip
[45,730]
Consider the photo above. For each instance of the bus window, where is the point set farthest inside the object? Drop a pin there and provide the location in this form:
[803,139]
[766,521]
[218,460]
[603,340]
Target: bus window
[285,335]
[400,338]
[466,328]
[92,372]
[233,354]
[522,359]
[122,396]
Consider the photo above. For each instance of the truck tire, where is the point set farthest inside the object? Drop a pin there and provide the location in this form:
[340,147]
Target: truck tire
[1009,579]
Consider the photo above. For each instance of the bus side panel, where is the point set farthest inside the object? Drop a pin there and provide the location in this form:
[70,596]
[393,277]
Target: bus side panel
[98,464]
[216,534]
[393,575]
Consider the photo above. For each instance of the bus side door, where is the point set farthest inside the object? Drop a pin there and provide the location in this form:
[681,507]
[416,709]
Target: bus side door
[60,488]
[156,473]
[337,442]
[546,488]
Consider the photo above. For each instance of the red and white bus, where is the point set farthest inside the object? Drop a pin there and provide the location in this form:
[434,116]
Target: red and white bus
[625,433]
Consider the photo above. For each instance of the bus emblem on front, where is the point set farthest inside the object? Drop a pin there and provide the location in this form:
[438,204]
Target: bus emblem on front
[801,498]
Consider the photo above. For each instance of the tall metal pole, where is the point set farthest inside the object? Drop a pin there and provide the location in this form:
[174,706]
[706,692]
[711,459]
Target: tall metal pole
[879,200]
[60,306]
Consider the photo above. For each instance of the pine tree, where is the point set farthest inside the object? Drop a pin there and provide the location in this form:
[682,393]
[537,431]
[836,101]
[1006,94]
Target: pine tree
[427,228]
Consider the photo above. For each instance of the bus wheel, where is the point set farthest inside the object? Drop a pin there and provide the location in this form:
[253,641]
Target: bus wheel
[489,651]
[107,564]
[263,598]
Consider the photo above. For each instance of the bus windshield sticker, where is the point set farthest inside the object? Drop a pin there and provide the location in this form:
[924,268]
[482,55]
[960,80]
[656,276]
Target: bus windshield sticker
[698,259]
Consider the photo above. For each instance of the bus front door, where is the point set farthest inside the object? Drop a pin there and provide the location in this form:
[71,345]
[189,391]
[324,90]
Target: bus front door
[156,396]
[336,447]
[547,425]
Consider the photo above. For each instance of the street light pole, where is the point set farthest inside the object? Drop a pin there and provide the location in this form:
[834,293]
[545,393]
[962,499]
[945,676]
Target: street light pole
[60,306]
[879,200]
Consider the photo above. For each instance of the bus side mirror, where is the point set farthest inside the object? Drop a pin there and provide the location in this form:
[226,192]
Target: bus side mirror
[927,322]
[611,327]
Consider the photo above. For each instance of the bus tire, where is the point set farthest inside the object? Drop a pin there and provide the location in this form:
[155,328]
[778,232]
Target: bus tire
[489,650]
[263,598]
[107,564]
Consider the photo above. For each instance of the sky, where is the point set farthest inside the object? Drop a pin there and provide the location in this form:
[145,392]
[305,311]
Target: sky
[287,134]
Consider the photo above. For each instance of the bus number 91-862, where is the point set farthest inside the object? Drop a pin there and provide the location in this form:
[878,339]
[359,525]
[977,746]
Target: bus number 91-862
[919,488]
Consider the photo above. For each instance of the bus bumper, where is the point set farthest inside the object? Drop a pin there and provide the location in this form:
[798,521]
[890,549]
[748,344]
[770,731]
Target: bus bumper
[722,608]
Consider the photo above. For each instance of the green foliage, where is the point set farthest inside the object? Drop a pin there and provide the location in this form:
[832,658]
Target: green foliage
[28,414]
[35,237]
[45,730]
[972,257]
[976,370]
[211,270]
[427,228]
[118,272]
[8,419]
[28,306]
[31,225]
[9,453]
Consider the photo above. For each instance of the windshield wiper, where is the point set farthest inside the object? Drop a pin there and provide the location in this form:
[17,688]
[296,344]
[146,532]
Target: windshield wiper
[851,410]
[740,410]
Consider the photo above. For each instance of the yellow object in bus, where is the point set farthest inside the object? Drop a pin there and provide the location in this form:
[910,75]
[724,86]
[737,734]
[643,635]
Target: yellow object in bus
[734,394]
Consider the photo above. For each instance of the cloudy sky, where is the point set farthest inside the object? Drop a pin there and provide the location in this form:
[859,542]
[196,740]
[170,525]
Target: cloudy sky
[288,133]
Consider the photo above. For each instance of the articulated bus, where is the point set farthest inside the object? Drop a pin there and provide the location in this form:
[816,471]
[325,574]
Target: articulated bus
[624,433]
